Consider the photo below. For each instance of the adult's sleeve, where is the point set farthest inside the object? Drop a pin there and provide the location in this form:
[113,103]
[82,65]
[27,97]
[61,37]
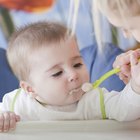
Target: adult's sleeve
[122,106]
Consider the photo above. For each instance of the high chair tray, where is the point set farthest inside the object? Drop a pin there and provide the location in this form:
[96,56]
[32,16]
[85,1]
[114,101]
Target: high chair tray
[75,130]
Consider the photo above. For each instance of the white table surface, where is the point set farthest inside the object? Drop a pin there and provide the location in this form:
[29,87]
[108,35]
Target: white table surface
[75,130]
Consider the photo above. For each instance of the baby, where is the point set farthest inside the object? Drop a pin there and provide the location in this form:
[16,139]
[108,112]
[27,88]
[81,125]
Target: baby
[45,58]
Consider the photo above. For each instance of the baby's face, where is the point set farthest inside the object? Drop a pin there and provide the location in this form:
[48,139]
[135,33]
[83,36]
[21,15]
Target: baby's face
[58,72]
[129,25]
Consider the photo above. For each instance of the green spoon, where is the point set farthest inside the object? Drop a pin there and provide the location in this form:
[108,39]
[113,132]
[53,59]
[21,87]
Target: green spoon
[105,76]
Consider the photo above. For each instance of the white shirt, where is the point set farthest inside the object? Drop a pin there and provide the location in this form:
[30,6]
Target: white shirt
[121,106]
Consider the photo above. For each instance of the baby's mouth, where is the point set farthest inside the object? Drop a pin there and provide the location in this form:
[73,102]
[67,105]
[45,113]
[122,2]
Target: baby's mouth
[74,91]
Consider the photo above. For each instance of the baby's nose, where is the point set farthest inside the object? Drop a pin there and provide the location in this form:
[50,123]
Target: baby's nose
[73,76]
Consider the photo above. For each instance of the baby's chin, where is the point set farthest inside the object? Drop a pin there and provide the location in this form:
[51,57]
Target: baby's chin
[78,97]
[72,101]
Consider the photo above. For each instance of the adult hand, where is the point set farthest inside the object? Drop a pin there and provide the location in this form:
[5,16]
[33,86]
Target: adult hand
[135,68]
[123,62]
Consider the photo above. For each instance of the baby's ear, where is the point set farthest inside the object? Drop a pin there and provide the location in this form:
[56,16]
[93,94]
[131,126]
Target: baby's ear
[27,88]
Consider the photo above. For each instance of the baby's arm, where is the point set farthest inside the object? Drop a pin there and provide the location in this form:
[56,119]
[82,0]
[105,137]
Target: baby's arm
[8,121]
[123,62]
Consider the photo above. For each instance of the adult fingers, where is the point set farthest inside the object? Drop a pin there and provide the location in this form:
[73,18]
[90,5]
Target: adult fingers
[134,59]
[123,59]
[124,78]
[126,70]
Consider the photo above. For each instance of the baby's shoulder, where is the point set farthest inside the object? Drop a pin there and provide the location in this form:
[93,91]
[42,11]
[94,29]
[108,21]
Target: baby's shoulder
[94,94]
[11,95]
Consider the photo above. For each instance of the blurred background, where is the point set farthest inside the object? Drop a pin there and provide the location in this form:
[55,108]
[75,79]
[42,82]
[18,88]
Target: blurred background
[77,13]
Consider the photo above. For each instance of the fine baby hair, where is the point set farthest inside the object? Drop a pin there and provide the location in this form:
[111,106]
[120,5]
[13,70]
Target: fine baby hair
[30,38]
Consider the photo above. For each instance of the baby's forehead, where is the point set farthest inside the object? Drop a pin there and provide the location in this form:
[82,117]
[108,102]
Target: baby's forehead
[55,45]
[54,55]
[61,42]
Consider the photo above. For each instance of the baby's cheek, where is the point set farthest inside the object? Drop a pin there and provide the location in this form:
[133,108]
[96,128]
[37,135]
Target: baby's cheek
[87,77]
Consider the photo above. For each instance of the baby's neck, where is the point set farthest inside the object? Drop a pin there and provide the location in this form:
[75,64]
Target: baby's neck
[70,107]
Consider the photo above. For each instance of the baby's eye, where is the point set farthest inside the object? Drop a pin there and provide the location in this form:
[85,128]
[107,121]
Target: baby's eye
[57,74]
[78,65]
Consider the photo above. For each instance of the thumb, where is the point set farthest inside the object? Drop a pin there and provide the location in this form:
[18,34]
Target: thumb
[133,60]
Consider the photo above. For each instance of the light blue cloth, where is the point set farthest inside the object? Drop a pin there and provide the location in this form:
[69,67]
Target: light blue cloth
[98,64]
[8,81]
